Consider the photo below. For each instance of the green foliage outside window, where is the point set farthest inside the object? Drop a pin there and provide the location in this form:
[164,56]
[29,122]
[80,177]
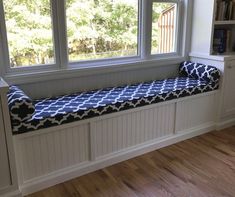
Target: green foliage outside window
[95,29]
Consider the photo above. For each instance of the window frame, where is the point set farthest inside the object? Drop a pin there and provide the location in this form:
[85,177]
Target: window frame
[55,40]
[58,13]
[72,64]
[178,26]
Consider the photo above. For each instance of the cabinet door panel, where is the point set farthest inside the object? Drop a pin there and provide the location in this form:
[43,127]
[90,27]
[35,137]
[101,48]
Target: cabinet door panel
[229,93]
[5,176]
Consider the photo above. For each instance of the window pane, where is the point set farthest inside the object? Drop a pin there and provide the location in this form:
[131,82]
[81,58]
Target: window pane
[163,27]
[29,32]
[101,28]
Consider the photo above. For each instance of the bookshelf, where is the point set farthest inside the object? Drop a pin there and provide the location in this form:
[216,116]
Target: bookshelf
[224,10]
[223,41]
[205,26]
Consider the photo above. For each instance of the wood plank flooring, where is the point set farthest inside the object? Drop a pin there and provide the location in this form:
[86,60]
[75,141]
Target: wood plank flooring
[200,167]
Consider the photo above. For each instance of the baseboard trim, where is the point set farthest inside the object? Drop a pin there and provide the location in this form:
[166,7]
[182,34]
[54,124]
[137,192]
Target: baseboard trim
[69,173]
[225,124]
[15,193]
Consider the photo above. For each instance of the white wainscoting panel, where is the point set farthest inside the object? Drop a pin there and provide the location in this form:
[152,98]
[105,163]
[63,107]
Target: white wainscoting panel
[77,84]
[42,154]
[131,129]
[195,112]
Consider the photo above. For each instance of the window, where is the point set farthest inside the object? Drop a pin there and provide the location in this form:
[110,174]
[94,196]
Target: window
[62,34]
[29,32]
[163,27]
[99,29]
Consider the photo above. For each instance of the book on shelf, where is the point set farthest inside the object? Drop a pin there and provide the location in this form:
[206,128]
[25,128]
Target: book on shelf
[221,42]
[233,10]
[228,40]
[225,10]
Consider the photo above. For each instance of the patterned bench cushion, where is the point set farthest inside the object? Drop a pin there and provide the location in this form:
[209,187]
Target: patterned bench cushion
[21,107]
[199,71]
[68,108]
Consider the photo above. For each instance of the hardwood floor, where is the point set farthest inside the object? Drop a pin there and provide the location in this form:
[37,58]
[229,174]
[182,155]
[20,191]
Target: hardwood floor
[200,167]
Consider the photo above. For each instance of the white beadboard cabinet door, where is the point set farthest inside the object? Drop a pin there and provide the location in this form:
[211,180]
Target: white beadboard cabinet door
[42,154]
[132,129]
[195,112]
[5,176]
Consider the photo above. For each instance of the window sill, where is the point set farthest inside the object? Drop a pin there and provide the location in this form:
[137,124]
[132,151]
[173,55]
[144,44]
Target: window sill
[73,71]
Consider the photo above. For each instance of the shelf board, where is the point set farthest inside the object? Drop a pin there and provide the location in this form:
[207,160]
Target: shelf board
[231,22]
[218,57]
[226,54]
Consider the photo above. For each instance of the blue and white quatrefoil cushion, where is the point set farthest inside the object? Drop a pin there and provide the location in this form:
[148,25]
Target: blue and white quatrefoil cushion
[199,71]
[20,105]
[68,108]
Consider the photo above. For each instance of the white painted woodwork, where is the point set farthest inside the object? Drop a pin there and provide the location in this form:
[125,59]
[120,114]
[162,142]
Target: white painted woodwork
[225,104]
[46,153]
[195,112]
[5,176]
[8,175]
[229,89]
[57,87]
[131,129]
[202,26]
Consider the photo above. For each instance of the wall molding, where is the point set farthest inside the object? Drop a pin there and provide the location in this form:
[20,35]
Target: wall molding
[15,193]
[225,124]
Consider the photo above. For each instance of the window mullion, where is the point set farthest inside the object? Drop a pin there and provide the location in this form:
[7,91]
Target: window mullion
[60,33]
[178,25]
[185,26]
[4,51]
[146,24]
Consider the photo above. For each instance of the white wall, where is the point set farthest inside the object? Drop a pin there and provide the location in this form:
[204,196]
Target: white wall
[202,27]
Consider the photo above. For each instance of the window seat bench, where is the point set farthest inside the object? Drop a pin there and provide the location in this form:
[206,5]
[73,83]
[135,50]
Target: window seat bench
[28,115]
[60,138]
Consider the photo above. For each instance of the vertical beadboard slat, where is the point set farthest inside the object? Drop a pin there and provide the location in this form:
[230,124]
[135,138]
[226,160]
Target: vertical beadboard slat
[36,144]
[70,146]
[58,148]
[51,154]
[137,127]
[128,131]
[146,131]
[119,128]
[111,144]
[92,141]
[28,154]
[76,145]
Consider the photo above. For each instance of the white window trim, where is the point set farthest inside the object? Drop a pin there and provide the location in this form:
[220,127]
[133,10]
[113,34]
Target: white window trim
[4,55]
[178,27]
[92,69]
[63,67]
[104,61]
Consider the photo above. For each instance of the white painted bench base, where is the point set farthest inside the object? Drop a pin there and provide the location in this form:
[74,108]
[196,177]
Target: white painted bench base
[50,156]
